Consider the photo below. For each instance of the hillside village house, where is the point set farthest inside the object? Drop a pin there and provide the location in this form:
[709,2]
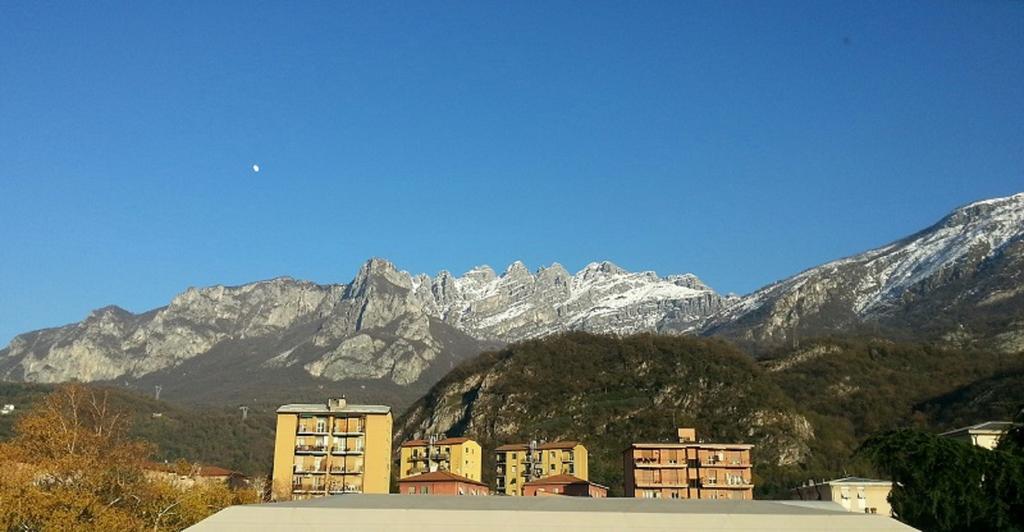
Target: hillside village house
[187,475]
[333,448]
[688,469]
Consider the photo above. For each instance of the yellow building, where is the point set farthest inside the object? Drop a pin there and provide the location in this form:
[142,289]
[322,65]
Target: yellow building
[331,449]
[461,456]
[860,495]
[519,463]
[985,435]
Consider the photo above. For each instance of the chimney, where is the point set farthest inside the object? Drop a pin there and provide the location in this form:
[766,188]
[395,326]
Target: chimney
[687,435]
[335,404]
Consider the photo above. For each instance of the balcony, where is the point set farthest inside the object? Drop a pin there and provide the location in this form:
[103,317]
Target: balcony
[335,470]
[346,488]
[348,431]
[732,463]
[662,482]
[310,449]
[302,470]
[346,450]
[314,488]
[311,430]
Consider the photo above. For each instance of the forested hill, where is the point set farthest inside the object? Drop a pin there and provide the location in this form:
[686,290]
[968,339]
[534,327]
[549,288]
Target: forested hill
[806,409]
[204,435]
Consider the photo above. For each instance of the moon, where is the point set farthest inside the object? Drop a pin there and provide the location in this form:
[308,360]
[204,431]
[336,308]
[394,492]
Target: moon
[255,168]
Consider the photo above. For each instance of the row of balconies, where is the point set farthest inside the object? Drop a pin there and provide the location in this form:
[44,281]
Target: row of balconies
[649,462]
[322,449]
[322,488]
[341,430]
[702,483]
[334,470]
[438,457]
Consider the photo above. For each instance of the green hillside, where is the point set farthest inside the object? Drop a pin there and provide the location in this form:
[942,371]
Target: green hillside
[807,409]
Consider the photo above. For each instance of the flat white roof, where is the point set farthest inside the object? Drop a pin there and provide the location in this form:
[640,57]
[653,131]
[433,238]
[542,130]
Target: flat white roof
[426,513]
[317,408]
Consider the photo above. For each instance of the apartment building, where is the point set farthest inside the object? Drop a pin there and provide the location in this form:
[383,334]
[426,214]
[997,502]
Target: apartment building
[854,494]
[461,456]
[441,483]
[333,448]
[688,469]
[519,463]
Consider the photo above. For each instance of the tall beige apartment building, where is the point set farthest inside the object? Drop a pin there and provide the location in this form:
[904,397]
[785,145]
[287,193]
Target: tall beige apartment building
[333,448]
[688,469]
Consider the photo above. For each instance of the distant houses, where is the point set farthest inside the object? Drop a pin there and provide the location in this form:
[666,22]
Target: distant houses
[854,494]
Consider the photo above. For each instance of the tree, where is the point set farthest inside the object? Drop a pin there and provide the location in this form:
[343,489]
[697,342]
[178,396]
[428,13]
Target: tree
[943,484]
[72,466]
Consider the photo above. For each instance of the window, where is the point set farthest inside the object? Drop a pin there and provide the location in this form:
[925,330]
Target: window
[412,490]
[552,467]
[424,490]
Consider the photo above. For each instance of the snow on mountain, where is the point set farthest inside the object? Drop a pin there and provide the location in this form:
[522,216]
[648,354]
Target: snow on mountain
[385,324]
[979,242]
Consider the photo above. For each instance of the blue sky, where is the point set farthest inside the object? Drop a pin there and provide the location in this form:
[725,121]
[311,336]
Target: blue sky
[741,141]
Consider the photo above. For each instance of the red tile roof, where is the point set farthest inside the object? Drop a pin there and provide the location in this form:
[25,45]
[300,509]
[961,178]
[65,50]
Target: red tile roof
[440,476]
[452,441]
[513,447]
[558,445]
[560,480]
[414,443]
[203,471]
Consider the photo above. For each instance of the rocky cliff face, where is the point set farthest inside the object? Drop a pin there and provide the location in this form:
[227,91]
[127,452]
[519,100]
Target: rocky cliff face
[386,324]
[959,280]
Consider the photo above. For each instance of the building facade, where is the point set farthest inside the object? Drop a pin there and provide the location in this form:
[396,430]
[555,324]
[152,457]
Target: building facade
[333,448]
[564,485]
[861,495]
[688,469]
[441,483]
[461,456]
[519,463]
[985,435]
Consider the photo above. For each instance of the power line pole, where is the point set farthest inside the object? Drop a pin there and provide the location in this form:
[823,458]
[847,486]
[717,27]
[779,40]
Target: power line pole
[245,412]
[158,388]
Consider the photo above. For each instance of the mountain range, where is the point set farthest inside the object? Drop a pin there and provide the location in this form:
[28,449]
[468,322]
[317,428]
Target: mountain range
[389,335]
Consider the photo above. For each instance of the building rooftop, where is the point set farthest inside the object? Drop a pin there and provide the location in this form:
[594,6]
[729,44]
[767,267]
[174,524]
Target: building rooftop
[318,408]
[394,513]
[558,479]
[700,445]
[540,446]
[201,470]
[855,481]
[441,476]
[990,427]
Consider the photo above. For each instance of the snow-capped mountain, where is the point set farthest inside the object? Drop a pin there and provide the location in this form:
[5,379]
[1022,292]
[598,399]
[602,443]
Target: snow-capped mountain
[385,325]
[961,279]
